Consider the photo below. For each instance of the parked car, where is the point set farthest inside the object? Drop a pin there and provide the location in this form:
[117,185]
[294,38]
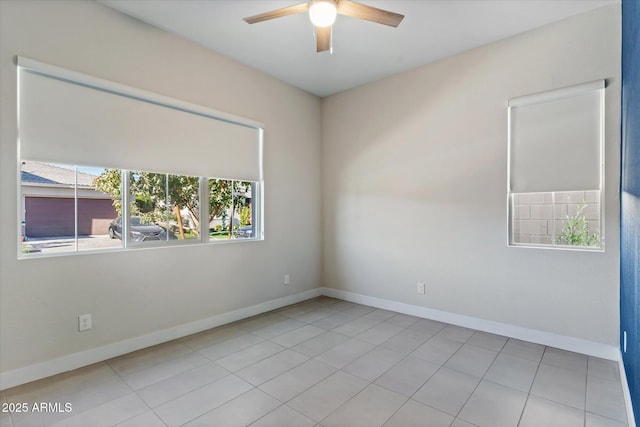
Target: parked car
[244,232]
[138,231]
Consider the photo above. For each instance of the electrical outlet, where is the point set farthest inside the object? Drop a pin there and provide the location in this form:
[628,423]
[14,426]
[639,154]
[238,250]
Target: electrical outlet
[286,279]
[421,288]
[84,322]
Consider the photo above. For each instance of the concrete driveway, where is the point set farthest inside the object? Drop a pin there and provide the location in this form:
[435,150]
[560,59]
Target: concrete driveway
[47,245]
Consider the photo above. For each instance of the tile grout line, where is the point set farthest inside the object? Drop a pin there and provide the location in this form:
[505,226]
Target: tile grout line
[586,391]
[117,377]
[134,392]
[531,386]
[438,370]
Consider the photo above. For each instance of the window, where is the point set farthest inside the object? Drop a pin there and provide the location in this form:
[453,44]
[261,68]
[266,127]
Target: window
[61,209]
[154,161]
[231,209]
[566,218]
[68,208]
[555,179]
[163,207]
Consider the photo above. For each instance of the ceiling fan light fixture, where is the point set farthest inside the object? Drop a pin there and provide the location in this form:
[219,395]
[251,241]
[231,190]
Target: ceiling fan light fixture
[323,13]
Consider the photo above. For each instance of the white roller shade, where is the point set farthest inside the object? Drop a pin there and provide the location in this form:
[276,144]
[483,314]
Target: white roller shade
[104,124]
[555,140]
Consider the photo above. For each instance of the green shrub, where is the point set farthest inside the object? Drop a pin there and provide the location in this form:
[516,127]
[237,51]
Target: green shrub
[245,216]
[576,231]
[27,249]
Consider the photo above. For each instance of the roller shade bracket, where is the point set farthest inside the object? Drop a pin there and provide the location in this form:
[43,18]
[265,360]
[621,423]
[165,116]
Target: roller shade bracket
[554,94]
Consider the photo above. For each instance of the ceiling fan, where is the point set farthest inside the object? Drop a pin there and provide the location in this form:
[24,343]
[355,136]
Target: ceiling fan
[323,14]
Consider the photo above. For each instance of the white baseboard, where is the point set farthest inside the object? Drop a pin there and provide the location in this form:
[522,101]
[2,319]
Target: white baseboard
[83,358]
[631,422]
[577,345]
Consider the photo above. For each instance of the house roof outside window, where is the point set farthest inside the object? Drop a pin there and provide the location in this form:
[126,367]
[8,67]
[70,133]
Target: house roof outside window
[52,174]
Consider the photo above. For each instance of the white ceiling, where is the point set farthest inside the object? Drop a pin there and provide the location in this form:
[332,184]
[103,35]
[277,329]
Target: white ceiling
[362,51]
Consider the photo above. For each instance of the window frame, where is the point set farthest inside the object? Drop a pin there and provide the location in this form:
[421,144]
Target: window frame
[552,95]
[129,244]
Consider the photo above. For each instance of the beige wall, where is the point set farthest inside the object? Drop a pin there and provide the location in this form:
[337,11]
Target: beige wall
[138,292]
[414,185]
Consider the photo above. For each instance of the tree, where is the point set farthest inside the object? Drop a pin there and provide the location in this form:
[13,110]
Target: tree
[151,191]
[224,195]
[109,182]
[182,191]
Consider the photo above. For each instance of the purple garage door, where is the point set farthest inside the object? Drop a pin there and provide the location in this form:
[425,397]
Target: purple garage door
[53,217]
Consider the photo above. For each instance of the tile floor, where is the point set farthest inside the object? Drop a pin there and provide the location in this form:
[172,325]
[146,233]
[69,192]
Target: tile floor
[327,362]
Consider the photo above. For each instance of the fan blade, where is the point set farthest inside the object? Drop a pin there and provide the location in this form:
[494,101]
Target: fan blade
[291,10]
[323,38]
[369,13]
